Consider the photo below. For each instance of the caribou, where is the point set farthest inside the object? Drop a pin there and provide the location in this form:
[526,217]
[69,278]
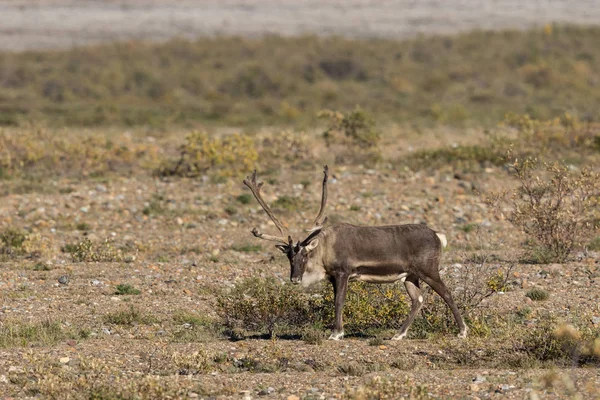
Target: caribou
[343,253]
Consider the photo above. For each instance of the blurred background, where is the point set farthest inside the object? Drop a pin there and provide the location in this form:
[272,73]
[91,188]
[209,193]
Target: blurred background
[249,63]
[64,23]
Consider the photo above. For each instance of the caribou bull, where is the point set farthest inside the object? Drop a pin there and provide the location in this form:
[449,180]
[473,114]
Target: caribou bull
[376,254]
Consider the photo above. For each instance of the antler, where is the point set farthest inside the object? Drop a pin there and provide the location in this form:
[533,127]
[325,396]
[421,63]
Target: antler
[255,188]
[318,224]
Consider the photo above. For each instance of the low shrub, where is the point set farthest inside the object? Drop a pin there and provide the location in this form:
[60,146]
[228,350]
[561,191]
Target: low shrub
[228,155]
[47,332]
[88,251]
[537,294]
[126,289]
[12,242]
[129,316]
[354,134]
[555,207]
[41,152]
[268,306]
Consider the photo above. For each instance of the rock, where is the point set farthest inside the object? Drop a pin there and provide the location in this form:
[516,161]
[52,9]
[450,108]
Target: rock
[479,379]
[595,320]
[63,280]
[474,387]
[96,282]
[64,360]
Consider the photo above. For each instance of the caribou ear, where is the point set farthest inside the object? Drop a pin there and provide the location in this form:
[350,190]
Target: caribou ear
[282,248]
[312,245]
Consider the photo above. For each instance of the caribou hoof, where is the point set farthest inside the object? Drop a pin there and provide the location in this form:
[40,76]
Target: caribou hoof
[399,336]
[336,335]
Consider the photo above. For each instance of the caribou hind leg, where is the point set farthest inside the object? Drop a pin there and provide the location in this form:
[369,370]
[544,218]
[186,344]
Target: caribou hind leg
[414,292]
[440,288]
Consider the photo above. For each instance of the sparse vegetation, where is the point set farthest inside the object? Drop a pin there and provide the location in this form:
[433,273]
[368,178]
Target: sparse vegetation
[182,238]
[230,155]
[268,306]
[477,76]
[11,242]
[554,206]
[88,251]
[15,333]
[129,316]
[126,289]
[537,294]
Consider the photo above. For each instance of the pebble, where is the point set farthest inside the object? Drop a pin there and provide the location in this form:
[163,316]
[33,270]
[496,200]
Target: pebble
[96,282]
[64,360]
[595,320]
[3,379]
[64,280]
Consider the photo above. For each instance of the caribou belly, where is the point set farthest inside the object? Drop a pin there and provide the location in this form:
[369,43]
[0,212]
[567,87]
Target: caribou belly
[388,278]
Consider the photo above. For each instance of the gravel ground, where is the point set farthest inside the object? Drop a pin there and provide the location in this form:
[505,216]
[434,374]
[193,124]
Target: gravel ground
[185,252]
[30,24]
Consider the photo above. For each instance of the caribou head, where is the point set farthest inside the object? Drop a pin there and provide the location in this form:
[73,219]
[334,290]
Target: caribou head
[300,253]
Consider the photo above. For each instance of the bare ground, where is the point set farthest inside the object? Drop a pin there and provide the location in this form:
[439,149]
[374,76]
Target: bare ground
[28,24]
[184,254]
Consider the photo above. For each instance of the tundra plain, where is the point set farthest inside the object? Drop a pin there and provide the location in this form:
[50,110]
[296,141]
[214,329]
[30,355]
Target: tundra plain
[127,266]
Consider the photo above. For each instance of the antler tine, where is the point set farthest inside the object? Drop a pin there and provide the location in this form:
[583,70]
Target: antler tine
[255,189]
[318,222]
[259,235]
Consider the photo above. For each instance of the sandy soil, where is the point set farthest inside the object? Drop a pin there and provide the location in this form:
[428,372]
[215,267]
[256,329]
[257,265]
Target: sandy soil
[30,24]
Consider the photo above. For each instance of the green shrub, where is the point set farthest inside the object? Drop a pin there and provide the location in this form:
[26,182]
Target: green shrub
[537,294]
[244,198]
[129,316]
[458,157]
[547,341]
[229,155]
[264,306]
[87,251]
[269,306]
[11,241]
[287,203]
[125,289]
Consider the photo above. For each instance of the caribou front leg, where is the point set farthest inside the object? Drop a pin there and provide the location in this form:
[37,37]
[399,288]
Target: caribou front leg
[340,286]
